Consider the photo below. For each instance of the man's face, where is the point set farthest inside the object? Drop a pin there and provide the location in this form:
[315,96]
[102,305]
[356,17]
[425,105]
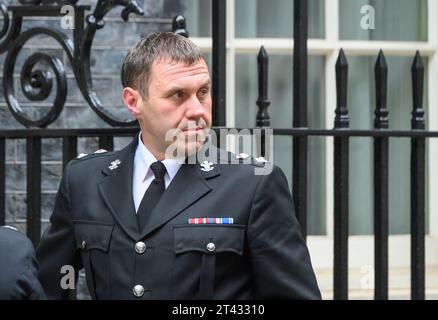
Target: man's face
[178,97]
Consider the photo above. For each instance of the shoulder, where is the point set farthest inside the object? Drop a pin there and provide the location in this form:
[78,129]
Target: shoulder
[16,246]
[226,157]
[96,157]
[85,164]
[242,161]
[256,166]
[11,236]
[241,164]
[18,266]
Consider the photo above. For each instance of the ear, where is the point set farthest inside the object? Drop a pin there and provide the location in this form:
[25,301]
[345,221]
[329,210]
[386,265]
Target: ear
[132,99]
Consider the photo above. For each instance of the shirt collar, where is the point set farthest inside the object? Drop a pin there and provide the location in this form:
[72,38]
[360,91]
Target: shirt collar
[147,158]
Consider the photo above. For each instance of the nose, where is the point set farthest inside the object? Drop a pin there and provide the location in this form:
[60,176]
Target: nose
[195,109]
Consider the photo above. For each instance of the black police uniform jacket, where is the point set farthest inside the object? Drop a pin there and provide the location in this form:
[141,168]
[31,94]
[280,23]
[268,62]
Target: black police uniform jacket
[93,225]
[18,267]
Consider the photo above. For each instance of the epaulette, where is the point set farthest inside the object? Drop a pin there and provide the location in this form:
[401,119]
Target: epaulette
[83,156]
[243,158]
[9,227]
[259,162]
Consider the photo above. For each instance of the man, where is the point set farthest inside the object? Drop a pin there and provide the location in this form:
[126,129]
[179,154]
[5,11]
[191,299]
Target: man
[18,267]
[144,225]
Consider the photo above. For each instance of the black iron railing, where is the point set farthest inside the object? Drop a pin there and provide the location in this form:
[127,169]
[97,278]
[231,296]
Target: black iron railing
[36,84]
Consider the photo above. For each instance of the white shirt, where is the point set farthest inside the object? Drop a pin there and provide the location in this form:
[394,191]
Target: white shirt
[143,175]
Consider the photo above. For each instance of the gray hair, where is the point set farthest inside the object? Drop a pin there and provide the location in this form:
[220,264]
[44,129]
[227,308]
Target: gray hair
[137,66]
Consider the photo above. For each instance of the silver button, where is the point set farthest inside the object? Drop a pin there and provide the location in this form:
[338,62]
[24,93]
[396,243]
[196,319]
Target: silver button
[84,244]
[140,247]
[138,291]
[211,247]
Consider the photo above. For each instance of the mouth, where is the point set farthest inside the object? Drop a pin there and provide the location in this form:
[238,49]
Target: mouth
[194,129]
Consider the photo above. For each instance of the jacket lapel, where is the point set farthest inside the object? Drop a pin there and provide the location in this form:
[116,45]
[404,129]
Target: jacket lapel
[116,188]
[187,187]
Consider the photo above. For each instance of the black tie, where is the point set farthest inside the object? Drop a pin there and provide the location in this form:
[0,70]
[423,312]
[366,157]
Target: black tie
[152,194]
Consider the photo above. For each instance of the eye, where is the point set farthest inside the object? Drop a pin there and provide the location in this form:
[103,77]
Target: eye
[203,92]
[179,94]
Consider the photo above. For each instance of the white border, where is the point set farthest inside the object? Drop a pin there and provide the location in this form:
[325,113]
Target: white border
[432,117]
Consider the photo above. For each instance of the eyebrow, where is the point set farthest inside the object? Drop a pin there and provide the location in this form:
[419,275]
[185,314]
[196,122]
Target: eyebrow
[207,83]
[176,89]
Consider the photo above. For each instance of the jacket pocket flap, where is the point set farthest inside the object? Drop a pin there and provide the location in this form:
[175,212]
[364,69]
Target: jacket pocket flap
[93,235]
[209,238]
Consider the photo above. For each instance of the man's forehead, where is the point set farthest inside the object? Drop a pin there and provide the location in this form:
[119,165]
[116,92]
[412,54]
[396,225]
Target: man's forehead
[169,63]
[181,69]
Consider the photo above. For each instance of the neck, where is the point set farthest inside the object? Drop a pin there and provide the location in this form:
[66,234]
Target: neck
[152,149]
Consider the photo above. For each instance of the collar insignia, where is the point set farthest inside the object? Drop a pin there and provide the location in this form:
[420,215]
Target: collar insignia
[114,164]
[206,166]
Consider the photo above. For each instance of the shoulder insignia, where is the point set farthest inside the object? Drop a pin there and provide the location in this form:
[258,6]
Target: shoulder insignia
[9,227]
[261,160]
[242,156]
[101,151]
[81,155]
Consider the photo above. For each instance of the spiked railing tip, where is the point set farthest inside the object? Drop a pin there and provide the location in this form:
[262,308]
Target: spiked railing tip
[262,101]
[342,59]
[417,92]
[381,60]
[417,64]
[262,53]
[381,120]
[263,61]
[342,118]
[179,26]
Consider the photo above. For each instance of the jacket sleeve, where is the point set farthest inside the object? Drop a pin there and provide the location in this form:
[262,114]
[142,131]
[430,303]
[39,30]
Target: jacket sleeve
[19,279]
[27,286]
[279,256]
[57,247]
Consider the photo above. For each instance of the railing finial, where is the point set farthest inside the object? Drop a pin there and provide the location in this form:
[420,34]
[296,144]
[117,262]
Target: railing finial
[341,118]
[179,26]
[381,79]
[417,92]
[262,101]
